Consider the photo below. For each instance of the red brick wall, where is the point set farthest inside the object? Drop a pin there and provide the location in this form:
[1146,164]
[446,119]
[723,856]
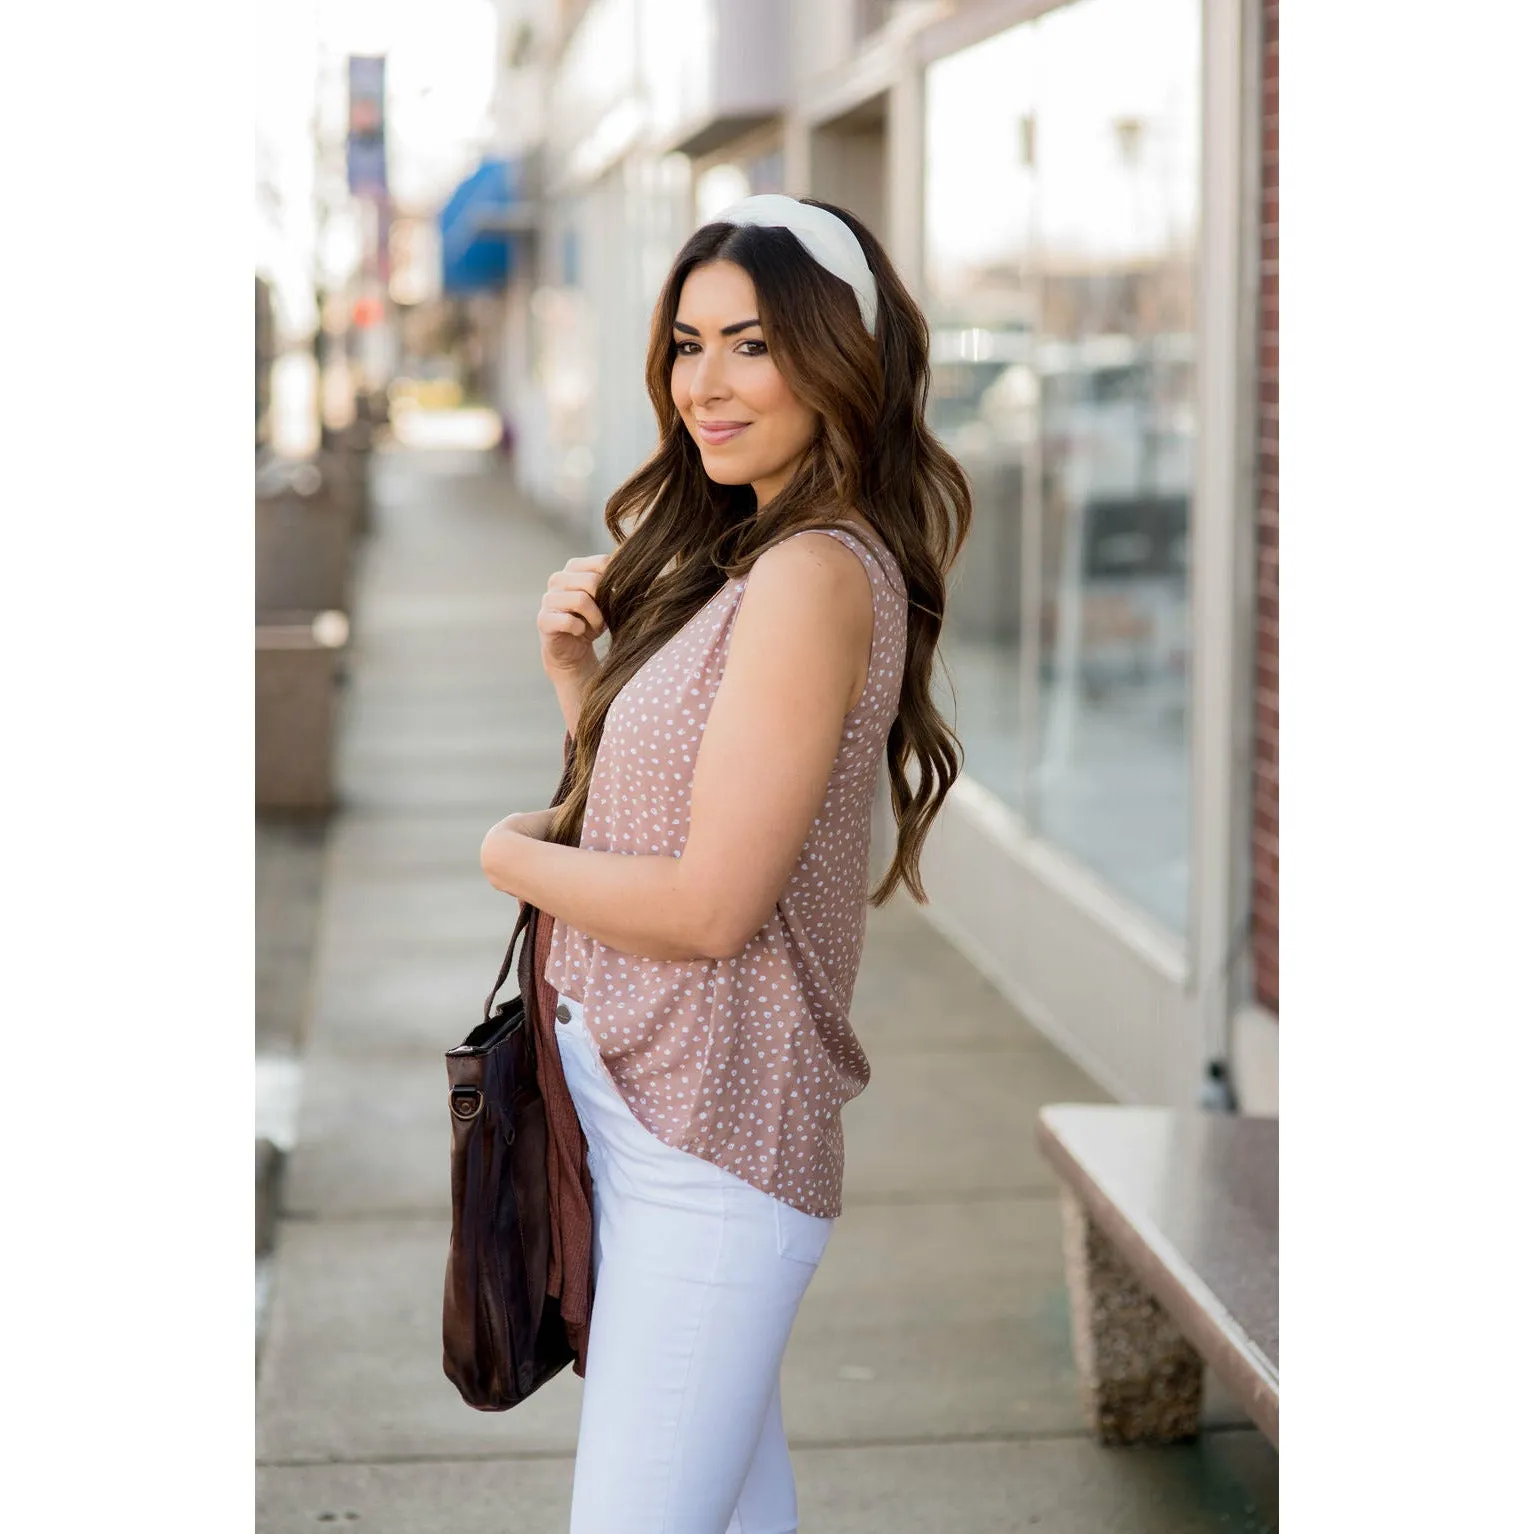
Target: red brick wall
[1265,754]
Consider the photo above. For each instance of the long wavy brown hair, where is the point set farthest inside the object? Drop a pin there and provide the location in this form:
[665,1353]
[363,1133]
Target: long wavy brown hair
[872,453]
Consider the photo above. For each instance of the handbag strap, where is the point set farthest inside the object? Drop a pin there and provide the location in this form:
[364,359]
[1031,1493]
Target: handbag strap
[523,921]
[529,913]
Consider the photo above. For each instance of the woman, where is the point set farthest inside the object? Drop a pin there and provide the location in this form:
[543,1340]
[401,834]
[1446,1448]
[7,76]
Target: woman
[783,583]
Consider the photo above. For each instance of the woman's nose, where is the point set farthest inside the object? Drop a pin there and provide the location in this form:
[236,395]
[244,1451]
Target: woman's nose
[707,379]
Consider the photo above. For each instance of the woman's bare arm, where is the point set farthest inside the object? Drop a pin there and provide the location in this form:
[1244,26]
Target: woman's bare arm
[570,688]
[773,732]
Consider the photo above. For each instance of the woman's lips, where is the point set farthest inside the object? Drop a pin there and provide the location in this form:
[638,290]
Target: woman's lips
[716,432]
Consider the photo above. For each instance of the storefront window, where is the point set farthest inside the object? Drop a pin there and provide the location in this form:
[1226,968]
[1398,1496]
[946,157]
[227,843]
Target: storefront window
[979,196]
[1076,281]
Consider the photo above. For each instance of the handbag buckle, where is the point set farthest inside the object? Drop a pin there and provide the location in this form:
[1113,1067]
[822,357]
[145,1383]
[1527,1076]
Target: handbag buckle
[466,1102]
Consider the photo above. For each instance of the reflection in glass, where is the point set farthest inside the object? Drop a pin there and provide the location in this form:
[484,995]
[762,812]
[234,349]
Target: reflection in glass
[979,186]
[1061,233]
[1111,263]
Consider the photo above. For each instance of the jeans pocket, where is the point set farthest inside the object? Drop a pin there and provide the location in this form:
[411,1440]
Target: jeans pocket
[801,1237]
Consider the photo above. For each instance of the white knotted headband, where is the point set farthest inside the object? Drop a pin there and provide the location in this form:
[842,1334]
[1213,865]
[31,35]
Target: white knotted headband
[828,240]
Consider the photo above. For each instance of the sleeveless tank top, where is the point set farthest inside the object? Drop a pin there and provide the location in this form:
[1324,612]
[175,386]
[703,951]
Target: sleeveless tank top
[745,1062]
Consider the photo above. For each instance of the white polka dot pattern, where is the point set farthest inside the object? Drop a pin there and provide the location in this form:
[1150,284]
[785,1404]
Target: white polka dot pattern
[745,1062]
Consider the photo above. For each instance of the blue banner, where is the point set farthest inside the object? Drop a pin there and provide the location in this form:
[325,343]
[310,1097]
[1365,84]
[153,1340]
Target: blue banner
[476,242]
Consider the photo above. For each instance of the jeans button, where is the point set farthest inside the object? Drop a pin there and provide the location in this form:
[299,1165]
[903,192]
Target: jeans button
[562,1012]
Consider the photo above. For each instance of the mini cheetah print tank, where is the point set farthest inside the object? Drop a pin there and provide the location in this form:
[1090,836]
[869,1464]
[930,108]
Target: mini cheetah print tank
[745,1062]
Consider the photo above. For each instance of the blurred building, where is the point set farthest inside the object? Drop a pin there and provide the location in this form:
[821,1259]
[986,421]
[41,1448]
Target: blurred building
[1084,197]
[266,355]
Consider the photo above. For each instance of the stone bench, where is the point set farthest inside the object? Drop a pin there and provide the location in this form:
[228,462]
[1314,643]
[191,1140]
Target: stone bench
[1171,1256]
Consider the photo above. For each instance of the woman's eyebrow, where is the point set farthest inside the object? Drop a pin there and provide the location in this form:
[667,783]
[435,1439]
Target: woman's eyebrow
[728,330]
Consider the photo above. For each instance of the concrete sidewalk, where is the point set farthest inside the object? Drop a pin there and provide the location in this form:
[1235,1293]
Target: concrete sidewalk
[928,1385]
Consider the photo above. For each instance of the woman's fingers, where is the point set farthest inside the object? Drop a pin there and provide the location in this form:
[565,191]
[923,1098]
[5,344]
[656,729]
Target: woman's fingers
[583,573]
[569,619]
[574,599]
[575,580]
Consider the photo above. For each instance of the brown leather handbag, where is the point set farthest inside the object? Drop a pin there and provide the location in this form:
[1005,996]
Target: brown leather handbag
[502,1334]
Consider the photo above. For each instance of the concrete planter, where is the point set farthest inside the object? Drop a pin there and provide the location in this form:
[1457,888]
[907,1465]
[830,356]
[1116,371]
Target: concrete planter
[345,461]
[297,658]
[304,531]
[345,472]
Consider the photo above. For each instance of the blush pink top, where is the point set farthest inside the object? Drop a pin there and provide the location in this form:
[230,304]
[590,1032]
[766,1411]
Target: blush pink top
[745,1062]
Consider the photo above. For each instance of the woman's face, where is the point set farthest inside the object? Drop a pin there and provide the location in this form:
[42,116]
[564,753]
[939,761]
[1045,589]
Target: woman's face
[749,428]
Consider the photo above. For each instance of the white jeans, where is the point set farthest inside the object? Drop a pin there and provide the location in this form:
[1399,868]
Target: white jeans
[698,1279]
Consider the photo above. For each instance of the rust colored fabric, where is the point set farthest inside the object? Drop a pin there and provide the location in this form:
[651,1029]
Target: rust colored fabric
[570,1271]
[570,1278]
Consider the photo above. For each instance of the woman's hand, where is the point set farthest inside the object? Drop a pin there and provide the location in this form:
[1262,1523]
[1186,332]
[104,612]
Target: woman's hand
[534,823]
[569,620]
[497,852]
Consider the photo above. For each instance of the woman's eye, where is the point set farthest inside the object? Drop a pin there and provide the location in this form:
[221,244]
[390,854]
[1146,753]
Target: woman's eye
[689,348]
